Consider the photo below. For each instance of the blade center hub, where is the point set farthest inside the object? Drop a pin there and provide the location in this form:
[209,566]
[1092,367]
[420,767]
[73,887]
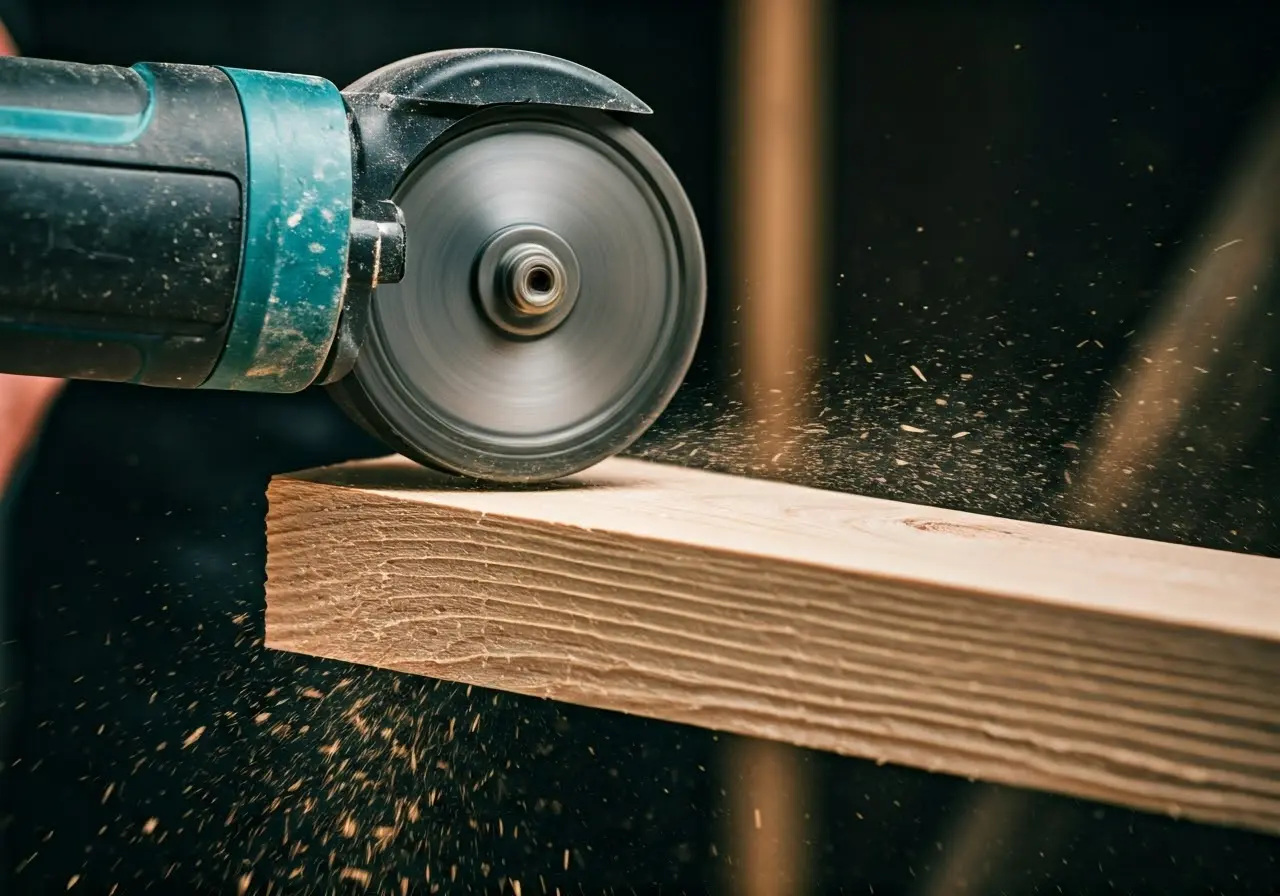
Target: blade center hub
[527,280]
[535,282]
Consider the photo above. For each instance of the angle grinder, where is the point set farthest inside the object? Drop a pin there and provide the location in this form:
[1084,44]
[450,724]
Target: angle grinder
[477,256]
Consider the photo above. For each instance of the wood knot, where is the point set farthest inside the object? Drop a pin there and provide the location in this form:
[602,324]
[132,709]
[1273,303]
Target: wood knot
[964,530]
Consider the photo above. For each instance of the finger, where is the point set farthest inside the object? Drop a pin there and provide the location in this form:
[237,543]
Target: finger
[23,403]
[8,46]
[23,399]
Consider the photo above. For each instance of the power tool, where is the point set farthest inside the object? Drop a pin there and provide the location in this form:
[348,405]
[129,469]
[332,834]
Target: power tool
[474,251]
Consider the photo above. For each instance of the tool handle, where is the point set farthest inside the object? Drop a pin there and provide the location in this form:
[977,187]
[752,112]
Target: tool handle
[121,219]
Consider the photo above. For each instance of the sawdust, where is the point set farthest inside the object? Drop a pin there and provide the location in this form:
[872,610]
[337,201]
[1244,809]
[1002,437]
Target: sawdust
[358,781]
[351,781]
[402,786]
[959,431]
[385,785]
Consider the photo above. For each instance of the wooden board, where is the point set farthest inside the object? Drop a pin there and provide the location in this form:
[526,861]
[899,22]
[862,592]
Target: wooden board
[1117,669]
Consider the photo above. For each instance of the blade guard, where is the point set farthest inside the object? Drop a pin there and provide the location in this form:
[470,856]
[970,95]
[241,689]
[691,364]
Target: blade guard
[485,77]
[398,111]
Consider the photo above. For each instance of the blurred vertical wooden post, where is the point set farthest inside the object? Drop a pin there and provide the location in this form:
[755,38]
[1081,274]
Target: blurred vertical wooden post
[776,213]
[777,229]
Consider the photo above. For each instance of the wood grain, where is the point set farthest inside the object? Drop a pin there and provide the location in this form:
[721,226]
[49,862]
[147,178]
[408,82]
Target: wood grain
[1117,669]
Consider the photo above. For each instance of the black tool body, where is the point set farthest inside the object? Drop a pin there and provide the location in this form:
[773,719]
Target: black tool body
[121,219]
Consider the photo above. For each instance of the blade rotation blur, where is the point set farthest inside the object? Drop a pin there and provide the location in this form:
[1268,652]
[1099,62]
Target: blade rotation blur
[475,398]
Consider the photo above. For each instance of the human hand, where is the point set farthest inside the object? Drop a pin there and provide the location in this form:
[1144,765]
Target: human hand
[23,399]
[23,403]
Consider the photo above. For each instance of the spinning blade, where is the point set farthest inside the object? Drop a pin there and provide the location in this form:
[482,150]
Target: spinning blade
[553,294]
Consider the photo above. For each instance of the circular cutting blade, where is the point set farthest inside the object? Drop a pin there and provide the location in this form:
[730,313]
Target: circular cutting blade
[553,294]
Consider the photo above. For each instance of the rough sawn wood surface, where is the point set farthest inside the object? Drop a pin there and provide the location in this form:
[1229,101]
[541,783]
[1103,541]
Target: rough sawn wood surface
[1117,669]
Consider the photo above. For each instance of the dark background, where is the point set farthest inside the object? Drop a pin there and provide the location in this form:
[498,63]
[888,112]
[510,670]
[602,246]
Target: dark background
[1096,137]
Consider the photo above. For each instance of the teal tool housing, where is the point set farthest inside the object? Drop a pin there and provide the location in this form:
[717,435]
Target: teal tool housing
[298,210]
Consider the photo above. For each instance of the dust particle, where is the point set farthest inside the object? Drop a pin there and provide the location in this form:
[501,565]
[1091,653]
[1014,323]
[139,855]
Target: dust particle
[359,875]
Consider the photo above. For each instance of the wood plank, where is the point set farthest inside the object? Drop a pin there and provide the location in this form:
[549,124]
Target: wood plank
[1118,669]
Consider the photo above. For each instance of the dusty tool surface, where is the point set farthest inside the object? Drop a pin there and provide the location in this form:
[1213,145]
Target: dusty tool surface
[1124,670]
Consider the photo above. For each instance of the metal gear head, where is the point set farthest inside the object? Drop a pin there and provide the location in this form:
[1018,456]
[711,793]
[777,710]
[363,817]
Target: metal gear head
[553,295]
